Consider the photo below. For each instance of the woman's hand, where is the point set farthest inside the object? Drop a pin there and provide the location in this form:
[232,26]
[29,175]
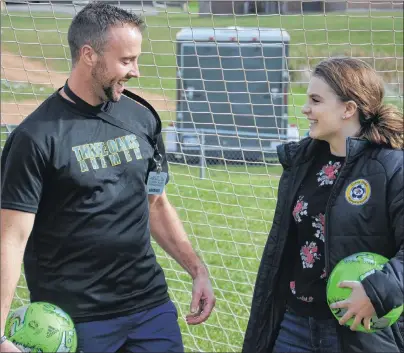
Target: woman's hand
[358,305]
[7,346]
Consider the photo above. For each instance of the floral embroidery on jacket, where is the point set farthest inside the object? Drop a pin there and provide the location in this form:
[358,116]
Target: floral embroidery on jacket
[309,254]
[328,174]
[318,224]
[300,209]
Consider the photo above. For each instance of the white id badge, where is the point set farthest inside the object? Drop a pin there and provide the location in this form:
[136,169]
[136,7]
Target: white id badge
[156,183]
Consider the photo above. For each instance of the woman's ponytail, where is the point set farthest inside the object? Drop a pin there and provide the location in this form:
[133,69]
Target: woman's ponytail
[384,127]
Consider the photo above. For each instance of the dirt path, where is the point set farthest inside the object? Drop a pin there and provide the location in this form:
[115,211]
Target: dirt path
[18,69]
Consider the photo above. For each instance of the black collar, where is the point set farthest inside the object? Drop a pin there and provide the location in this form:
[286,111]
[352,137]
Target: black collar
[307,149]
[81,104]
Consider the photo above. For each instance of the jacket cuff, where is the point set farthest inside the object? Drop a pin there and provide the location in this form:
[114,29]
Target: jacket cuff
[374,298]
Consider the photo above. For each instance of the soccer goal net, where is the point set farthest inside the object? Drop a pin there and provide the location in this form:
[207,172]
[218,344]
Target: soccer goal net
[228,79]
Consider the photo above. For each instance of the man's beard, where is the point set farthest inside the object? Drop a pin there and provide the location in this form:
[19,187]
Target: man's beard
[99,75]
[109,93]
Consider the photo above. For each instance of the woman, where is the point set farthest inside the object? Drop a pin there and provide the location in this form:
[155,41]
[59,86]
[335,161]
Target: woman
[341,192]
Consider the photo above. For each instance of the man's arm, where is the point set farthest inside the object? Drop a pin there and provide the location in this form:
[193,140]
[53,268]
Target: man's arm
[23,170]
[167,230]
[15,228]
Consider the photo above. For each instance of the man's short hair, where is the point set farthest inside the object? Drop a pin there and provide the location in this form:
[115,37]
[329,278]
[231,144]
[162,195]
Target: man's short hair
[91,25]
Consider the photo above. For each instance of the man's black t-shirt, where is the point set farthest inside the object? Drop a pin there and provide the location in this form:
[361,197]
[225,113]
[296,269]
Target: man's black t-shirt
[89,251]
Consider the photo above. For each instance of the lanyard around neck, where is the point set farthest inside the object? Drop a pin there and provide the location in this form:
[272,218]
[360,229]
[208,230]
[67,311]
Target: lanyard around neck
[80,103]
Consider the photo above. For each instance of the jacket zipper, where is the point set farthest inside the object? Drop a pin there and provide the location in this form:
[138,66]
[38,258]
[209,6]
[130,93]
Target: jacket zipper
[327,233]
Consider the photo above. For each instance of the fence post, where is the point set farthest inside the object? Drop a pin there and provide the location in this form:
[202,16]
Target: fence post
[202,157]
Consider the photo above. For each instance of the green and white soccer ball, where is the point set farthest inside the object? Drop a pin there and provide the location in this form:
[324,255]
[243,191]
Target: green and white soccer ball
[41,327]
[355,268]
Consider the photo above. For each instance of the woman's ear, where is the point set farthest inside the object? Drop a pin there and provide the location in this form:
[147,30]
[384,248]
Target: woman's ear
[350,109]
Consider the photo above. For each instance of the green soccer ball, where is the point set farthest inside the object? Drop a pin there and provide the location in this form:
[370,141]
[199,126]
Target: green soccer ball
[41,327]
[355,268]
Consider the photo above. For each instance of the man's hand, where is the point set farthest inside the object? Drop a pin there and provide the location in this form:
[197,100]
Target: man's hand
[7,346]
[358,305]
[203,300]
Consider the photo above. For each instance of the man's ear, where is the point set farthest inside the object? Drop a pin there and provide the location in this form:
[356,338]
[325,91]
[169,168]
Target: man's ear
[88,55]
[350,109]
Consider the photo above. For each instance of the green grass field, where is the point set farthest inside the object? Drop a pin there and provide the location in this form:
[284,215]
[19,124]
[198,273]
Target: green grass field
[378,35]
[44,36]
[228,214]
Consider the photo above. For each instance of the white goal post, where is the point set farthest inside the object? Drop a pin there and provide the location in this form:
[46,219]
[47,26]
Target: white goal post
[228,79]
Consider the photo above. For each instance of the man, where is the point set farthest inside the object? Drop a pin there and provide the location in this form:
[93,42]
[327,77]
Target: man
[81,194]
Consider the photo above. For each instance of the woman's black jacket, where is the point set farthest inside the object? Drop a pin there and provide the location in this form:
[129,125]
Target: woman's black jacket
[370,221]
